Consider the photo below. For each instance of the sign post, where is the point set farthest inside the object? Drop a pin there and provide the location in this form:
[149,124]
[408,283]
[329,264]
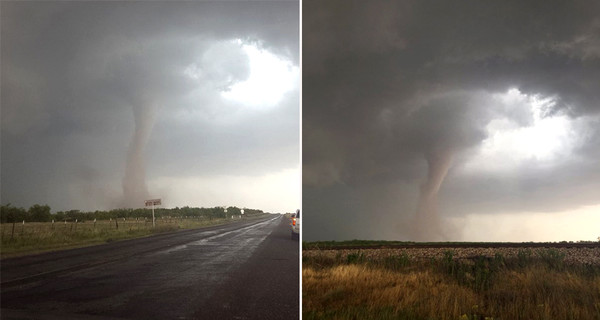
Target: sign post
[153,202]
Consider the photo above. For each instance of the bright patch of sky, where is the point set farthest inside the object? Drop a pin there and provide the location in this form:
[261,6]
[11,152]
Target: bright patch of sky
[573,225]
[276,192]
[271,77]
[546,139]
[522,134]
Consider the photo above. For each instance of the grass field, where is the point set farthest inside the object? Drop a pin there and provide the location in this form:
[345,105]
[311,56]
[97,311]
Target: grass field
[35,237]
[532,284]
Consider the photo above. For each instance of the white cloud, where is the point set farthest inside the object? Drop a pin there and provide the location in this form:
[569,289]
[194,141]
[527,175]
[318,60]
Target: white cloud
[270,78]
[546,140]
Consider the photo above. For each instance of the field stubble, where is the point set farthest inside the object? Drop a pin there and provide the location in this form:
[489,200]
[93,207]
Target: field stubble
[461,283]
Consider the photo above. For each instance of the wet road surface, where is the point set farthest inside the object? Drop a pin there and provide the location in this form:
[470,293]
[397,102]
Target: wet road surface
[247,270]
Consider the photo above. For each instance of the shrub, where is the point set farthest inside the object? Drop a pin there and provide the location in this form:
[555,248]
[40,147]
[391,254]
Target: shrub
[523,257]
[354,258]
[553,258]
[396,262]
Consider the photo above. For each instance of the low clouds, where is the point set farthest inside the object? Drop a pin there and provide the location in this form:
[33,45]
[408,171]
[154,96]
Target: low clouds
[90,86]
[388,86]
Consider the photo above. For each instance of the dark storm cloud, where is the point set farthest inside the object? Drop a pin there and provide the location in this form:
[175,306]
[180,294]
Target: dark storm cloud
[215,147]
[390,84]
[86,83]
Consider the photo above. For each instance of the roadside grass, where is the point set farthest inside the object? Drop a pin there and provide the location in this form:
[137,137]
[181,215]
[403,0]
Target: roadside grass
[36,237]
[531,286]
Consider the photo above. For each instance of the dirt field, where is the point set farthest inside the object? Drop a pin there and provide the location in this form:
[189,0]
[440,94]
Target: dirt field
[572,255]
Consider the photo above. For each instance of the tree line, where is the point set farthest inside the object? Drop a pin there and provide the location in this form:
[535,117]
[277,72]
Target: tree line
[41,213]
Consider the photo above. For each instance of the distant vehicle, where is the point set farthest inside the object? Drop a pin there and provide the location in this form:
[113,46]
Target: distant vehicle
[296,225]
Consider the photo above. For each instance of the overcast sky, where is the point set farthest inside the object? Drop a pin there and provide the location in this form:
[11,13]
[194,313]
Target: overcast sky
[451,120]
[105,104]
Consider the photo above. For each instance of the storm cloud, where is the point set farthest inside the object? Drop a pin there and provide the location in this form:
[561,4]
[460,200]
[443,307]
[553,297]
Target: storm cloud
[105,104]
[419,114]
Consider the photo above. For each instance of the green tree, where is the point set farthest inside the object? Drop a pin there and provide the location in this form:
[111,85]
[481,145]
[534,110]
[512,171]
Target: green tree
[234,211]
[40,213]
[9,214]
[59,216]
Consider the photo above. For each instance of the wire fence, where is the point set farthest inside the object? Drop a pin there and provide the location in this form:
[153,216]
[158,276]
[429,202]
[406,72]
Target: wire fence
[31,236]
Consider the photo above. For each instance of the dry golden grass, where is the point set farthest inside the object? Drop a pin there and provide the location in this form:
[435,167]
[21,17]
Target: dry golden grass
[539,293]
[423,290]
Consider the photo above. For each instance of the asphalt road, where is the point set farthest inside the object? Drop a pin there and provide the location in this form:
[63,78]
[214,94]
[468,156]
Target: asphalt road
[246,270]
